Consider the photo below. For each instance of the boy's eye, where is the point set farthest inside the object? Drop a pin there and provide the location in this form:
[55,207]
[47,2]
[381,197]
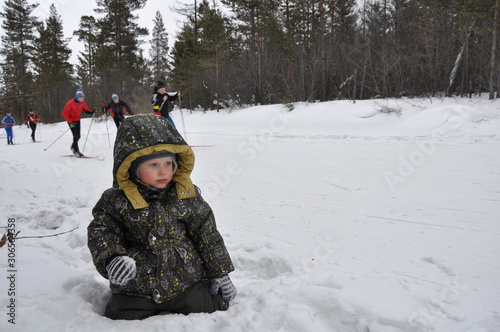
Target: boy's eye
[153,164]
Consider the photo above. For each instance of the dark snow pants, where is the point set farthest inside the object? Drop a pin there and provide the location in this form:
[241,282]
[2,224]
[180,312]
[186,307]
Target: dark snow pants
[75,130]
[117,120]
[33,129]
[196,299]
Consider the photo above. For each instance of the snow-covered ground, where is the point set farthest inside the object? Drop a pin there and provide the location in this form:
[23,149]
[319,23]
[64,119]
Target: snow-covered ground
[338,217]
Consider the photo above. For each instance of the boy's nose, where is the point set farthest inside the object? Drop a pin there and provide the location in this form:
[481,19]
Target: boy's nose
[162,169]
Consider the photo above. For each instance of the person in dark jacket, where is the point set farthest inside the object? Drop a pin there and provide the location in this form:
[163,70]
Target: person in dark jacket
[153,236]
[31,121]
[162,101]
[72,112]
[116,108]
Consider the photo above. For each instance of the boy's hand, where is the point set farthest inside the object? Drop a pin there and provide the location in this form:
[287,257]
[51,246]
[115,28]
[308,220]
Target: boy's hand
[121,270]
[226,287]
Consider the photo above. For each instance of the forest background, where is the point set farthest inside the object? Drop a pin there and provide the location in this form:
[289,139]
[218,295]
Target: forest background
[233,53]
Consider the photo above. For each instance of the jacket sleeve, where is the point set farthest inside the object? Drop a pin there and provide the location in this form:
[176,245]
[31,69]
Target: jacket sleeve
[105,233]
[85,108]
[125,107]
[67,112]
[174,97]
[208,241]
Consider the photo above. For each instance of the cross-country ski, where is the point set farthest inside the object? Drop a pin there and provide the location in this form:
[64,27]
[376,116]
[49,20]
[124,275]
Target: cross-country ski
[83,157]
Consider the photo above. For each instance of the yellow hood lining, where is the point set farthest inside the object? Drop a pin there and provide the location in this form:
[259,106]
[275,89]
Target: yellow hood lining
[182,179]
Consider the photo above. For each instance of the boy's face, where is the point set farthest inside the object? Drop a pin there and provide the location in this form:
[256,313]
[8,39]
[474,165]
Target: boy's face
[161,90]
[157,172]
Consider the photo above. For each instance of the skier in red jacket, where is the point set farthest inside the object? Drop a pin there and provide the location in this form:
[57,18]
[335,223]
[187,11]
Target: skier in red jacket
[117,108]
[72,113]
[31,121]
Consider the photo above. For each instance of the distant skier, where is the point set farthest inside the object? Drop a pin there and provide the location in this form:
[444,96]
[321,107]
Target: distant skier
[116,108]
[72,113]
[162,101]
[31,121]
[9,122]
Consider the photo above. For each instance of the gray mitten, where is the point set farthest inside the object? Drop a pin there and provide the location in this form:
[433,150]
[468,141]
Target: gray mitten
[121,270]
[226,287]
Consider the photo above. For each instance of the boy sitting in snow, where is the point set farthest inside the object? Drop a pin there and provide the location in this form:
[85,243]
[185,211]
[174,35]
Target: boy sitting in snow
[153,236]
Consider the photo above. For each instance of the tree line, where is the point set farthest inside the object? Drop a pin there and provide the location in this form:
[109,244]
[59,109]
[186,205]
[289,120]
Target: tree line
[242,52]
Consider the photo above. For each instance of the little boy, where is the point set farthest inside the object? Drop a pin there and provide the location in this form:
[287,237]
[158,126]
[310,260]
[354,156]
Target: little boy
[153,236]
[162,101]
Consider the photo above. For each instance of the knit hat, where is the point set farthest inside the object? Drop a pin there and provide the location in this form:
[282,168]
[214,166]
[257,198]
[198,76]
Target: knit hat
[31,111]
[79,94]
[134,167]
[160,85]
[114,96]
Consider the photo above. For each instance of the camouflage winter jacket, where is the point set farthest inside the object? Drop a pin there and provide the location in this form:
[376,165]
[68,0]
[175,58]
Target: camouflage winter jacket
[170,233]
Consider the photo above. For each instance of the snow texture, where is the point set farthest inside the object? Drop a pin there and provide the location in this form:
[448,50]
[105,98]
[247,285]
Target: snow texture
[339,216]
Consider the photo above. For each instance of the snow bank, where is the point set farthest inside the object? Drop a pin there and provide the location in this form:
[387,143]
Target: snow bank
[377,215]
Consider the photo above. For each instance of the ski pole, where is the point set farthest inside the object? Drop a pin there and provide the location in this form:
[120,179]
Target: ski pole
[40,130]
[106,117]
[26,133]
[88,132]
[182,118]
[56,140]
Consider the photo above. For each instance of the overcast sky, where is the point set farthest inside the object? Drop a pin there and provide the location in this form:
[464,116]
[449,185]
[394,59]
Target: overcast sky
[72,10]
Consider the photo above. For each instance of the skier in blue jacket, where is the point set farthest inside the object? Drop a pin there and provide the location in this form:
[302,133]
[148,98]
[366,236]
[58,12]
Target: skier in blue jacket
[9,122]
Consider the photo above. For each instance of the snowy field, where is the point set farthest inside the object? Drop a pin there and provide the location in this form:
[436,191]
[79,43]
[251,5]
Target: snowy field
[379,216]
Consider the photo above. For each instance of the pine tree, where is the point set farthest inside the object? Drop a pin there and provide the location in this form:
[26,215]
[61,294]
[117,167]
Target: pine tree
[202,56]
[52,68]
[17,47]
[158,53]
[342,55]
[217,45]
[119,60]
[185,64]
[258,18]
[86,68]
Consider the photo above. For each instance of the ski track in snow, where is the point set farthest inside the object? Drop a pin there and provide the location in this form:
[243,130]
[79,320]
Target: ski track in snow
[337,218]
